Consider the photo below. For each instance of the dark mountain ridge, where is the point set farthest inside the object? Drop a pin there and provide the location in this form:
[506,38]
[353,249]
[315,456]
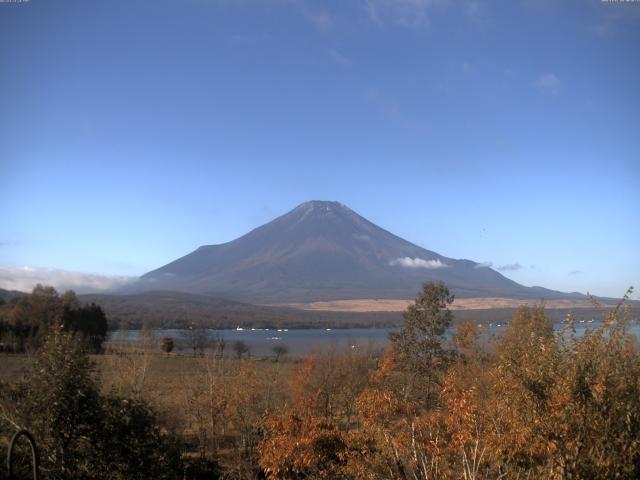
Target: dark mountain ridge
[325,251]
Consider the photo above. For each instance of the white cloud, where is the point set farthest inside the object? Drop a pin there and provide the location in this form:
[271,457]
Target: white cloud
[339,58]
[409,262]
[25,278]
[477,12]
[321,19]
[420,13]
[548,83]
[484,265]
[391,110]
[510,267]
[406,13]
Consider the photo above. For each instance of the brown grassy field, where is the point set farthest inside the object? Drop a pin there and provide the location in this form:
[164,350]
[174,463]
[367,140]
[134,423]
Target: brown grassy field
[398,305]
[14,366]
[207,402]
[161,378]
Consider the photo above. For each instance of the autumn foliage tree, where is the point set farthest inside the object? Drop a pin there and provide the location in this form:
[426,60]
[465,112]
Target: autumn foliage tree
[310,438]
[549,404]
[569,406]
[535,402]
[402,432]
[419,345]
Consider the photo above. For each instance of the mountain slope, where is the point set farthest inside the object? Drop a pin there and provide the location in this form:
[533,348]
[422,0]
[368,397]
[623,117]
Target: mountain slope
[7,295]
[325,251]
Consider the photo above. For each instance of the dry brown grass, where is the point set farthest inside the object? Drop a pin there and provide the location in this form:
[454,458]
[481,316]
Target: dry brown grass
[165,375]
[212,405]
[399,305]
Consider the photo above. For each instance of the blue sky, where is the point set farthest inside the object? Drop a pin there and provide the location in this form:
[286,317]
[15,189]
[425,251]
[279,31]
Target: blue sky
[132,132]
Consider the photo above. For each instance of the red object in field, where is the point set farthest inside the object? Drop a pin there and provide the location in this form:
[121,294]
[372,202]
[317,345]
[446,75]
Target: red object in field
[166,344]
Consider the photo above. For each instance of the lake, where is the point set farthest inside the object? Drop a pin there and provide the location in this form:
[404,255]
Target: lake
[304,341]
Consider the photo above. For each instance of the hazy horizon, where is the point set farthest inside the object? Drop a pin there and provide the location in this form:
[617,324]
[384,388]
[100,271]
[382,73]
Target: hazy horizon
[134,132]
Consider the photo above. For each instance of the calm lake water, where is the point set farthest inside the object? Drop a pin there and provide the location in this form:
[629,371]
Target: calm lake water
[305,341]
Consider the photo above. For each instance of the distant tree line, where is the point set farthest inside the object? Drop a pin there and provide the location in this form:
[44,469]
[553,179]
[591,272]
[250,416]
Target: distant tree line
[25,321]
